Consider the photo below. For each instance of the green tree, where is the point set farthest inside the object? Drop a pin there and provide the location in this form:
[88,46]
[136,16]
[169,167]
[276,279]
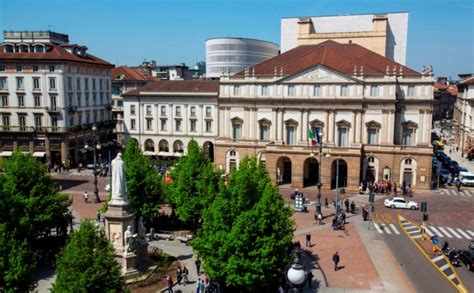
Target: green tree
[87,263]
[194,184]
[30,204]
[246,231]
[145,186]
[16,264]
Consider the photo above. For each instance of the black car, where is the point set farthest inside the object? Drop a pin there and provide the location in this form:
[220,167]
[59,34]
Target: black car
[467,257]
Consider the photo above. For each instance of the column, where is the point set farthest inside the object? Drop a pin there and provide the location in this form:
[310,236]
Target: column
[279,124]
[354,126]
[253,124]
[385,126]
[299,134]
[282,125]
[326,126]
[391,123]
[305,128]
[358,127]
[331,124]
[170,120]
[421,130]
[227,123]
[220,129]
[274,127]
[185,119]
[246,126]
[426,122]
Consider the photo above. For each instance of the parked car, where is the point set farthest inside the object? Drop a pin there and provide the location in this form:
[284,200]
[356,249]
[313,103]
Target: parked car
[400,203]
[467,257]
[466,178]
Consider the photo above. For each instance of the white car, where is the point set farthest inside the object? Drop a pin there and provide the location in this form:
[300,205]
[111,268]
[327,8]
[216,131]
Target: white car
[400,203]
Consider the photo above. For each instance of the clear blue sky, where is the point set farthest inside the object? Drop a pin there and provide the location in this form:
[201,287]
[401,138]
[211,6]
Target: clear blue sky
[440,33]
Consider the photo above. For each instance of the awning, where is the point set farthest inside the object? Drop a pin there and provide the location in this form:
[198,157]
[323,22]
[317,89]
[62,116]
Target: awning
[83,151]
[38,154]
[6,154]
[148,153]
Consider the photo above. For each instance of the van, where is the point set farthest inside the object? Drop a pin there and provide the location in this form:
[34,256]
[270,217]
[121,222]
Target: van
[466,178]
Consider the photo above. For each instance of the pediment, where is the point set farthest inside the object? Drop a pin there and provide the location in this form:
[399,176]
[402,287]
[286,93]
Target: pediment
[320,74]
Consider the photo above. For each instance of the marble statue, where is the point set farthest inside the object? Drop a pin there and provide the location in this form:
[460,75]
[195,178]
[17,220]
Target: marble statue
[130,240]
[119,187]
[141,229]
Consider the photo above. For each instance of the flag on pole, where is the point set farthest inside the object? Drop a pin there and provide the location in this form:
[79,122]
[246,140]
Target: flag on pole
[310,134]
[318,138]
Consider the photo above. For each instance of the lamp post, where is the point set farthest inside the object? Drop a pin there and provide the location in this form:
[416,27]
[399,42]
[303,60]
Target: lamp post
[296,274]
[337,184]
[98,146]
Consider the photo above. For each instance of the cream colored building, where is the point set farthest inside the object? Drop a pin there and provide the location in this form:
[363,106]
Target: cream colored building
[463,113]
[373,114]
[384,33]
[166,115]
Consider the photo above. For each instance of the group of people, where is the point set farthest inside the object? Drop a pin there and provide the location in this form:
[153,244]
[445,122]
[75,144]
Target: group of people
[385,187]
[58,168]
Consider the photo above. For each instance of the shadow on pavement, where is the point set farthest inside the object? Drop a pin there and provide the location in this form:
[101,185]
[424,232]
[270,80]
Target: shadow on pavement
[69,183]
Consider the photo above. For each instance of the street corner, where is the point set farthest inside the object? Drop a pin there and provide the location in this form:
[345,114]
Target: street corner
[356,270]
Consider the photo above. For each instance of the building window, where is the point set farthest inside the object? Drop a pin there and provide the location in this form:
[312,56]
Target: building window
[19,83]
[178,111]
[6,122]
[54,123]
[79,118]
[22,122]
[236,90]
[71,121]
[94,116]
[86,84]
[163,125]
[36,83]
[3,83]
[409,128]
[94,99]
[317,91]
[2,68]
[408,137]
[208,126]
[52,83]
[342,136]
[132,124]
[4,101]
[163,110]
[148,110]
[411,90]
[51,68]
[193,125]
[37,101]
[132,110]
[35,68]
[18,68]
[264,90]
[178,125]
[23,143]
[372,136]
[264,132]
[408,161]
[237,128]
[344,91]
[88,117]
[193,111]
[21,101]
[38,122]
[78,83]
[101,84]
[149,124]
[86,99]
[208,112]
[374,90]
[317,127]
[39,143]
[93,84]
[291,90]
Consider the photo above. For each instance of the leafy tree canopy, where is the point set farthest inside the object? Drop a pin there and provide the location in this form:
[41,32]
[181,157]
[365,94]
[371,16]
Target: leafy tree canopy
[87,263]
[246,231]
[145,187]
[194,184]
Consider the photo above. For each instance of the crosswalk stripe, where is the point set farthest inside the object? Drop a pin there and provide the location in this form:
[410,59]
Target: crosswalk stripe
[453,192]
[452,276]
[394,229]
[429,232]
[410,227]
[416,236]
[462,193]
[464,234]
[445,232]
[378,228]
[444,267]
[436,231]
[386,229]
[454,233]
[438,258]
[470,232]
[414,232]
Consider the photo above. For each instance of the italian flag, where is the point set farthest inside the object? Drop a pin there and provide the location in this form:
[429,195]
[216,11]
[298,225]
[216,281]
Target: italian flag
[311,136]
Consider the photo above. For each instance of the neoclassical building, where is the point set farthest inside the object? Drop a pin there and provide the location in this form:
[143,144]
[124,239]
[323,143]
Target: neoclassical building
[463,113]
[374,116]
[165,115]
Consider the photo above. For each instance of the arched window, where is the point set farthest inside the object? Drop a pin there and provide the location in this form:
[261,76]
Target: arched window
[264,125]
[373,129]
[149,145]
[163,146]
[237,128]
[178,147]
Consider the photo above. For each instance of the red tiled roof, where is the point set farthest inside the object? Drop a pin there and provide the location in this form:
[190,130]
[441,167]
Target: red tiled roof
[450,88]
[339,57]
[178,86]
[129,74]
[469,80]
[57,53]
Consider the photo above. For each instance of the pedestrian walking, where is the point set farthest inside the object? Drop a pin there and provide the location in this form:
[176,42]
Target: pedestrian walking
[198,266]
[179,275]
[343,217]
[185,275]
[326,204]
[353,206]
[86,197]
[98,215]
[346,204]
[335,259]
[309,278]
[458,184]
[169,282]
[308,240]
[320,219]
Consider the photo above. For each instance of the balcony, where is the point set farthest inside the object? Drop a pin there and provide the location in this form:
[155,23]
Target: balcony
[54,110]
[72,109]
[3,90]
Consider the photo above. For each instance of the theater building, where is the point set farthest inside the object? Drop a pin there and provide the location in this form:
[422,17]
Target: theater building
[374,116]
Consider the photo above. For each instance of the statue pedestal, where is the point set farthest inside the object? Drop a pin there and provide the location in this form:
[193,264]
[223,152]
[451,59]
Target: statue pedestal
[117,219]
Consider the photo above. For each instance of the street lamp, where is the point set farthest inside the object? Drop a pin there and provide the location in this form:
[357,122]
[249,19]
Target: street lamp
[98,147]
[318,202]
[296,274]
